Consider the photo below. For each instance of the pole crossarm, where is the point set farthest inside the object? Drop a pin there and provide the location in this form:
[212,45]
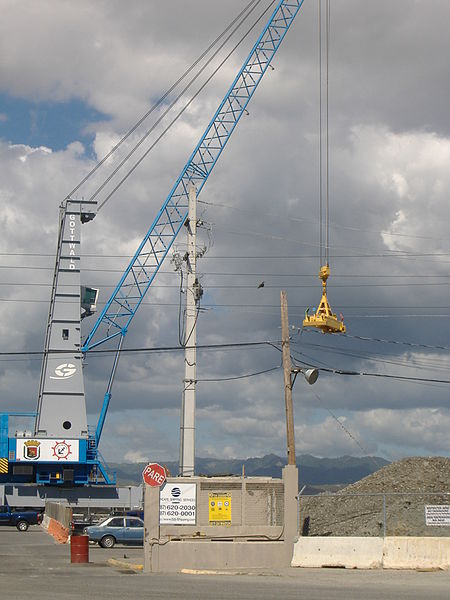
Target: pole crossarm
[120,309]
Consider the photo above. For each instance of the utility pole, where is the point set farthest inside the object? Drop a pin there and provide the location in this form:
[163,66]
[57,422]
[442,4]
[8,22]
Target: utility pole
[193,295]
[287,369]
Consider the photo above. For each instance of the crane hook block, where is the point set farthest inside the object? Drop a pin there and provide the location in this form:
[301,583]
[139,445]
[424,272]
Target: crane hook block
[324,318]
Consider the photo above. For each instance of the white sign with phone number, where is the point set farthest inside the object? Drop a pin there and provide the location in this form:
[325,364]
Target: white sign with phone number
[177,504]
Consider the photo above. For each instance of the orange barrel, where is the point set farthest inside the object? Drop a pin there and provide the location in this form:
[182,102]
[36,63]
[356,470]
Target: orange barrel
[79,549]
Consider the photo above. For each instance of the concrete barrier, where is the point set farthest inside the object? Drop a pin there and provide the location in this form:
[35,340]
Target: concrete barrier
[416,553]
[348,552]
[372,553]
[57,521]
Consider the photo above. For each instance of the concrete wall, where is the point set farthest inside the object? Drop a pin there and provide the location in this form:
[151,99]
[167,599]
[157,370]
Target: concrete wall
[176,556]
[370,553]
[209,546]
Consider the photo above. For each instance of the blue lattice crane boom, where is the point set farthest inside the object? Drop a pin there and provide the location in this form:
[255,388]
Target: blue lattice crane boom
[138,277]
[63,449]
[140,273]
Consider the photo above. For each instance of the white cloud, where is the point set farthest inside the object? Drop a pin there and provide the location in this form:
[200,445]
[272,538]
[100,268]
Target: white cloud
[407,171]
[389,156]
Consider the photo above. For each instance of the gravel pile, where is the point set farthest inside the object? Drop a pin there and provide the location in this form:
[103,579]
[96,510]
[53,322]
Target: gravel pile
[391,500]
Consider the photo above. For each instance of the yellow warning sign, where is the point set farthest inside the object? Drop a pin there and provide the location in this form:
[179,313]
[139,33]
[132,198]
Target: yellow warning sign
[3,465]
[219,508]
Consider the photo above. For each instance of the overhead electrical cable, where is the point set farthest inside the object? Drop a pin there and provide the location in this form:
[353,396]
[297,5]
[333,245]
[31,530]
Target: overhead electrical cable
[182,110]
[403,254]
[372,357]
[229,305]
[155,349]
[164,114]
[161,100]
[246,376]
[237,345]
[332,224]
[348,432]
[396,342]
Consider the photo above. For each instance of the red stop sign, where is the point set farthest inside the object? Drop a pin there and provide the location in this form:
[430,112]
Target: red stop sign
[154,475]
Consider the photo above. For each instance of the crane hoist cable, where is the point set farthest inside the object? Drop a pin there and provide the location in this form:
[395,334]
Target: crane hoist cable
[323,317]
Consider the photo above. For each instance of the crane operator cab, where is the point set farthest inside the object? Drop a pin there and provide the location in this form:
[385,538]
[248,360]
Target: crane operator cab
[324,318]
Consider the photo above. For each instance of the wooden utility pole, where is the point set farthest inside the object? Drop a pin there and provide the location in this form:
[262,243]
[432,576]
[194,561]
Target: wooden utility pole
[290,435]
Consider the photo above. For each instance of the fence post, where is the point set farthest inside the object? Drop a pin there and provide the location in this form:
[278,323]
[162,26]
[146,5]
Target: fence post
[384,515]
[243,501]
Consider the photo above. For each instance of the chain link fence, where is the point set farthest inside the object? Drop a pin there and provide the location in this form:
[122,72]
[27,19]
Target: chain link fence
[375,514]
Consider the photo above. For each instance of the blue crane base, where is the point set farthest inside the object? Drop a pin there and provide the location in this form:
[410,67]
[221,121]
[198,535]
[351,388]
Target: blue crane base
[27,458]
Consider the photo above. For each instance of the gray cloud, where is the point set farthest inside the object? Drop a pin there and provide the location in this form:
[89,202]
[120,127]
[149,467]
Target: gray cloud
[389,151]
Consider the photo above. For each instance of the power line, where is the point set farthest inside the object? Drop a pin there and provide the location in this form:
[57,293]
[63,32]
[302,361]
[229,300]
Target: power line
[217,305]
[291,275]
[149,349]
[253,287]
[181,112]
[384,376]
[396,342]
[242,376]
[403,254]
[377,358]
[296,241]
[333,225]
[351,436]
[161,99]
[236,345]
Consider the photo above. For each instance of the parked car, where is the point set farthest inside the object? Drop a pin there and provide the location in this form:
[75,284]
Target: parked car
[21,519]
[120,530]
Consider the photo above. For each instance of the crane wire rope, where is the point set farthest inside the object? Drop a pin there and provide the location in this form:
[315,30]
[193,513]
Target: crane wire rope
[185,107]
[166,111]
[327,142]
[145,154]
[323,317]
[324,153]
[160,100]
[320,137]
[324,179]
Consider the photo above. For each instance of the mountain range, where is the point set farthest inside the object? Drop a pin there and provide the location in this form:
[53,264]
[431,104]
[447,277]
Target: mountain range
[313,471]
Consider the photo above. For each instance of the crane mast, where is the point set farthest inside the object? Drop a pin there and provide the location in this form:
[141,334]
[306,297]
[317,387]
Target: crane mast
[61,413]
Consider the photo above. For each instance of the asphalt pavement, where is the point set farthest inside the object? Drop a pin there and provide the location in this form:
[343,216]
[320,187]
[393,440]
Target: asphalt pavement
[33,565]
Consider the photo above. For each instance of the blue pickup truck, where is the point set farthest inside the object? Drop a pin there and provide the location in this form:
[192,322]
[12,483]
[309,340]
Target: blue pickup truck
[21,519]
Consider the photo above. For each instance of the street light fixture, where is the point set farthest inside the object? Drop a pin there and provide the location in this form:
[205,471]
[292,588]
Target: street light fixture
[311,375]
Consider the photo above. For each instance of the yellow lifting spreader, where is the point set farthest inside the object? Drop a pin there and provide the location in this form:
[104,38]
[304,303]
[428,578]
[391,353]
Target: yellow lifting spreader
[323,318]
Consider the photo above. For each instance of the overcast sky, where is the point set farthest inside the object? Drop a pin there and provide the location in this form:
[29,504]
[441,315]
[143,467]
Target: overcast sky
[74,76]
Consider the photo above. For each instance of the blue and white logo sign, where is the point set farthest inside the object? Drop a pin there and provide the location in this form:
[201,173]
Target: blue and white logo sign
[64,371]
[176,492]
[178,504]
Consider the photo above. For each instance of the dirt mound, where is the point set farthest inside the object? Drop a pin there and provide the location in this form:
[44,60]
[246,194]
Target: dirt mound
[391,501]
[417,474]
